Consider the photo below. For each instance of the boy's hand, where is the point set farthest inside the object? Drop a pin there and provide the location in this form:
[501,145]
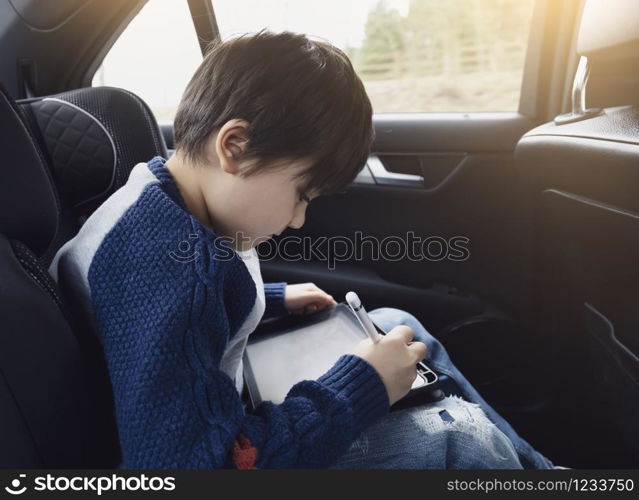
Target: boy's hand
[304,298]
[395,358]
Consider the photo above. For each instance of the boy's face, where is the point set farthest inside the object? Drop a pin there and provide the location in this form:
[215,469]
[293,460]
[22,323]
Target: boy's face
[247,209]
[261,205]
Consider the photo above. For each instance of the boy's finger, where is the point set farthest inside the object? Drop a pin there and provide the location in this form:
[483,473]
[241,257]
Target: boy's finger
[406,332]
[322,297]
[330,301]
[310,308]
[419,350]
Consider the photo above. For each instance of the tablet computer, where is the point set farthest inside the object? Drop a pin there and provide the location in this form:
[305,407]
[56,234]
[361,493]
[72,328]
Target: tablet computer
[286,351]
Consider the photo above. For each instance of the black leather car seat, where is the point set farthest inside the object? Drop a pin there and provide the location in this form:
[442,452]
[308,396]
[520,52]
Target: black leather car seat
[67,154]
[57,408]
[584,169]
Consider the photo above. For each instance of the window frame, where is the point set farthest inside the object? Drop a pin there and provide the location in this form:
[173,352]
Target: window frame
[202,17]
[551,59]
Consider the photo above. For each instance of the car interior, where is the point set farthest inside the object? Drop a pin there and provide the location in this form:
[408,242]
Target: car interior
[541,317]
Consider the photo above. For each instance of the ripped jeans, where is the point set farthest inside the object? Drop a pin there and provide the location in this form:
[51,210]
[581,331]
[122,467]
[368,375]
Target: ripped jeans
[461,431]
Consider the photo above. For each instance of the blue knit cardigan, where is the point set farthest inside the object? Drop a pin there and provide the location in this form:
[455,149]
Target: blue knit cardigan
[164,324]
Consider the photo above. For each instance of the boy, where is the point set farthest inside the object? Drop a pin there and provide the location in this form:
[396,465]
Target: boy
[168,273]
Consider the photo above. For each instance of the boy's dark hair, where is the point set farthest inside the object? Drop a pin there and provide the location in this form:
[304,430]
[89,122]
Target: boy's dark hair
[301,97]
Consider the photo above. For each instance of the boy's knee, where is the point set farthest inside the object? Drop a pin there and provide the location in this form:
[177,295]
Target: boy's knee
[472,440]
[449,434]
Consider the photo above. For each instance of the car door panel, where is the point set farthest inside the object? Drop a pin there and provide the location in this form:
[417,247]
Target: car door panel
[463,188]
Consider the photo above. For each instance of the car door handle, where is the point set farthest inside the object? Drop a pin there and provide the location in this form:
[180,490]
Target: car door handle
[383,177]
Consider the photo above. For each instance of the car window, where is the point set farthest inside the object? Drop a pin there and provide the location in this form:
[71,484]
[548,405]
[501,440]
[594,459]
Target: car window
[412,55]
[155,56]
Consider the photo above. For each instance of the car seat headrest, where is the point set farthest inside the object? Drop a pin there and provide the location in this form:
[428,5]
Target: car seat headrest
[609,29]
[93,137]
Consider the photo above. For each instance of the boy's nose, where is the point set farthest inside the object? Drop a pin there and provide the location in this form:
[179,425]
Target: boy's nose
[298,219]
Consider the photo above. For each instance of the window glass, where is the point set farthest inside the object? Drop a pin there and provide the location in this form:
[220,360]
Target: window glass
[155,56]
[413,55]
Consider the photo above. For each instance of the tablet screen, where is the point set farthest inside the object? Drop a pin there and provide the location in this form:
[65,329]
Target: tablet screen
[274,363]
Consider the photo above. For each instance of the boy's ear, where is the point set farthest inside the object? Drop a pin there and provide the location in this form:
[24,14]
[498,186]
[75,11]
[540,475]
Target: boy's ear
[230,143]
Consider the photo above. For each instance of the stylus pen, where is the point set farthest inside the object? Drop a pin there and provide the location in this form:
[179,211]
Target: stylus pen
[356,305]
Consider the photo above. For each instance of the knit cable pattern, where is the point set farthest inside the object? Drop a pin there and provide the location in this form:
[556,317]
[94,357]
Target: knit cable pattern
[164,325]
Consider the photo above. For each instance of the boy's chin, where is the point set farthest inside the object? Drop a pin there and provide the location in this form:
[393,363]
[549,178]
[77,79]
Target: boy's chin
[246,242]
[261,239]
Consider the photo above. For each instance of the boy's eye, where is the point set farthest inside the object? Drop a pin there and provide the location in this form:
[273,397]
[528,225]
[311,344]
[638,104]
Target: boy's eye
[305,198]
